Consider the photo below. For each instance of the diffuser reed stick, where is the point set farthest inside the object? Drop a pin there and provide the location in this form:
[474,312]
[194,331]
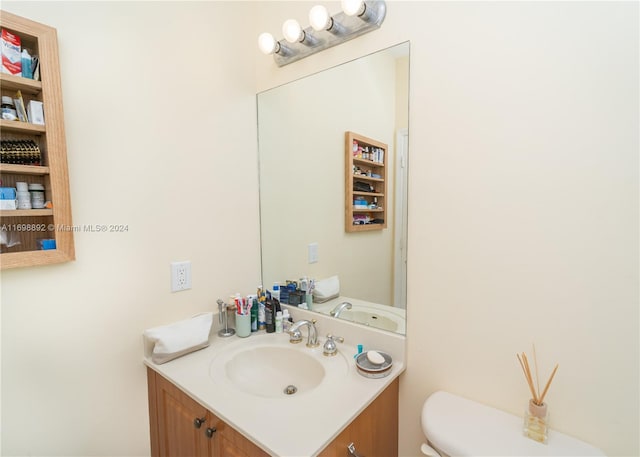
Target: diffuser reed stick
[546,388]
[535,393]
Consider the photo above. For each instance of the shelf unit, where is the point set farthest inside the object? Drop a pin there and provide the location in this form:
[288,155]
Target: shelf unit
[365,160]
[28,226]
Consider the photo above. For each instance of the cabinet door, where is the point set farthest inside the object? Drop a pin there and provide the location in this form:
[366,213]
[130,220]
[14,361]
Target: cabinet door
[180,422]
[231,443]
[374,432]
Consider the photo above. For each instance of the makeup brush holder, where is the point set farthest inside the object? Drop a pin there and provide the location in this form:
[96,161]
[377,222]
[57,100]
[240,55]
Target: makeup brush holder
[536,422]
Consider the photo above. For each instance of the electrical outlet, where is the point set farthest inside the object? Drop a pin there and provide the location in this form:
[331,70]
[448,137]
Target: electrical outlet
[180,276]
[313,252]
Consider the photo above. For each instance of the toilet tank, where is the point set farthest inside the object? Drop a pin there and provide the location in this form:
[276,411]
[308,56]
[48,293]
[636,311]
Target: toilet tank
[456,426]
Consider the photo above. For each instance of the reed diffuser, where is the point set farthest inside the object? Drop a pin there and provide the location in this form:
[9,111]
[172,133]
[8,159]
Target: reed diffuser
[536,416]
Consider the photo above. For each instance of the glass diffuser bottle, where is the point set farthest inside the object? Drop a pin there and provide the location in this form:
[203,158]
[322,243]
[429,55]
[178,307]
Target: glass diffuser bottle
[536,422]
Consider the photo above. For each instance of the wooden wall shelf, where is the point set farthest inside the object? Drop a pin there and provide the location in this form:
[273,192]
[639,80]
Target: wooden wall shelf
[365,157]
[19,224]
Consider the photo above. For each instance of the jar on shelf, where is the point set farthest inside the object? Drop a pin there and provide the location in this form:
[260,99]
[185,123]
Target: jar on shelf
[9,112]
[37,195]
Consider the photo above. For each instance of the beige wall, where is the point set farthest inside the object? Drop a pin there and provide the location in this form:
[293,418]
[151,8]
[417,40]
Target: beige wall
[160,121]
[523,209]
[402,93]
[523,204]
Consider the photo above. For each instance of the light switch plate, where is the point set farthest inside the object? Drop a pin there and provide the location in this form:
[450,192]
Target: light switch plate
[313,252]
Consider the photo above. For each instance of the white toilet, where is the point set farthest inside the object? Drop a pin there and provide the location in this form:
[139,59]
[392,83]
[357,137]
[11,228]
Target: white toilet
[455,426]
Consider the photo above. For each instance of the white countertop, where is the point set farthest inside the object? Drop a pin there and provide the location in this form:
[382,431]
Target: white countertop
[298,425]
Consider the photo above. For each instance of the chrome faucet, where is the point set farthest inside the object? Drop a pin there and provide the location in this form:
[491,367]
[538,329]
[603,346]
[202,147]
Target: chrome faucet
[296,335]
[338,309]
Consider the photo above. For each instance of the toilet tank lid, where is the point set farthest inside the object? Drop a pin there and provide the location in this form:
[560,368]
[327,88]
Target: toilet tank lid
[462,427]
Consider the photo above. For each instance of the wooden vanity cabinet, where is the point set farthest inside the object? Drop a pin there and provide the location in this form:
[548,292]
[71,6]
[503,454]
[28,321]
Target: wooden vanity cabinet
[374,433]
[179,426]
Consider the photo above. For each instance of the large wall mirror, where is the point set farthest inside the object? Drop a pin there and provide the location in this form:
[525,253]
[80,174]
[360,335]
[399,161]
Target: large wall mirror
[301,133]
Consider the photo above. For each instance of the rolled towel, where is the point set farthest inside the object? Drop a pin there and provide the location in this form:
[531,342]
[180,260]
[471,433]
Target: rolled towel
[180,338]
[326,289]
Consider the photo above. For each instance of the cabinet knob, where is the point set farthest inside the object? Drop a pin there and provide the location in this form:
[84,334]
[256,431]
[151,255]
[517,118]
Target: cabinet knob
[210,431]
[197,423]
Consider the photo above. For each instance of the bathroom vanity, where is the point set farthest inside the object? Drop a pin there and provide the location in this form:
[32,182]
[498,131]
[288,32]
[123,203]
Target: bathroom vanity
[181,426]
[228,399]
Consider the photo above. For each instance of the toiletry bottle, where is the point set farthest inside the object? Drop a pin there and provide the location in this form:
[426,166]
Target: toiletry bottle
[262,316]
[270,317]
[262,322]
[254,314]
[26,64]
[279,322]
[275,292]
[286,321]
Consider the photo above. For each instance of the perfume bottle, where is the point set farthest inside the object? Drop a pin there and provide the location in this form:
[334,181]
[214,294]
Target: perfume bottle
[536,422]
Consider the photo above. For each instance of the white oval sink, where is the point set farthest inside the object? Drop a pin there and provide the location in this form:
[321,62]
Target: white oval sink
[268,365]
[267,371]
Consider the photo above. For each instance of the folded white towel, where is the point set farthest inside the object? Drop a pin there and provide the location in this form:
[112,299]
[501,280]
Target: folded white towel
[180,338]
[326,289]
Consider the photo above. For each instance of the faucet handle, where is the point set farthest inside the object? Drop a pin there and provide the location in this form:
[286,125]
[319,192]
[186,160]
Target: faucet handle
[295,336]
[330,347]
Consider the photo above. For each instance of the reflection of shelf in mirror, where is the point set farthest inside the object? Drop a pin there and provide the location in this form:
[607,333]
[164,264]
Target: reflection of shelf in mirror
[364,210]
[367,162]
[365,227]
[24,169]
[26,212]
[368,194]
[368,178]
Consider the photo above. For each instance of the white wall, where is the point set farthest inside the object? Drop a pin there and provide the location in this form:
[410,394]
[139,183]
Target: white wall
[523,194]
[161,135]
[302,173]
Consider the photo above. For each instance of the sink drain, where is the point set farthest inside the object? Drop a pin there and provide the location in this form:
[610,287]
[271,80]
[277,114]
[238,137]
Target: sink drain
[290,389]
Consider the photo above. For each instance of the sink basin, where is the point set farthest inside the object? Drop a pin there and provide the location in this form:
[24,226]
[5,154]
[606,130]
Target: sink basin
[371,319]
[267,371]
[269,366]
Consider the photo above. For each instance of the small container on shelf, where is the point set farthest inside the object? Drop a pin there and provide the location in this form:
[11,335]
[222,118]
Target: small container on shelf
[9,112]
[36,192]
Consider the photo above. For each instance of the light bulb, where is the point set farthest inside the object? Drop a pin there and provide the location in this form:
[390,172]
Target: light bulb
[353,7]
[319,18]
[292,31]
[267,43]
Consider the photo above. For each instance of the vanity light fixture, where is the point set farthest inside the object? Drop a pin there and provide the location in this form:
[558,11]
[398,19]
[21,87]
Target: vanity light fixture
[356,18]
